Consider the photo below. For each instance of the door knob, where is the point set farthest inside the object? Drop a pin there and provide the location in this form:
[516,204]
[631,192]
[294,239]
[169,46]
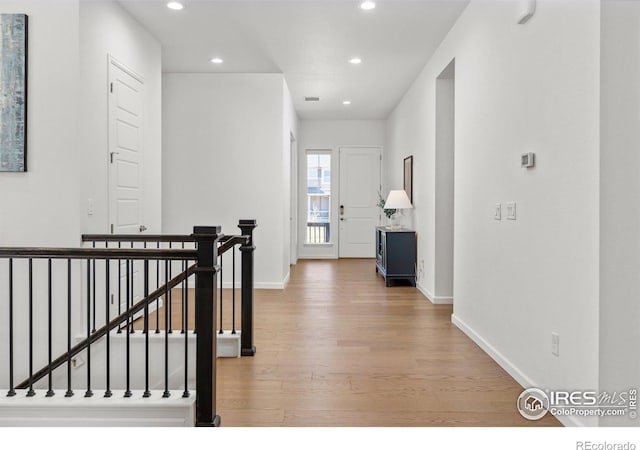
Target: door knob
[142,228]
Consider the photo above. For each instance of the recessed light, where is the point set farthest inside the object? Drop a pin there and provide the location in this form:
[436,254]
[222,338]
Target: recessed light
[346,102]
[367,5]
[355,60]
[217,60]
[176,6]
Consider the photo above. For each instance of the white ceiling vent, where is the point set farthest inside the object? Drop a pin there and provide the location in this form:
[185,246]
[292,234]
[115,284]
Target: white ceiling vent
[312,99]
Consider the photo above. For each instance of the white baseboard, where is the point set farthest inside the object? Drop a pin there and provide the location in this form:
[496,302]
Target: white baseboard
[97,411]
[273,285]
[286,280]
[506,364]
[432,298]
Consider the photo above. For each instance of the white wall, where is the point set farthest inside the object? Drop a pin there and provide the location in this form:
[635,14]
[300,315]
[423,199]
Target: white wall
[223,160]
[106,29]
[619,208]
[330,135]
[67,122]
[517,88]
[41,207]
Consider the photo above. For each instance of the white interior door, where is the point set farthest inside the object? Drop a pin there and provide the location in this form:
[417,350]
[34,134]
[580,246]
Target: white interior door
[358,211]
[125,161]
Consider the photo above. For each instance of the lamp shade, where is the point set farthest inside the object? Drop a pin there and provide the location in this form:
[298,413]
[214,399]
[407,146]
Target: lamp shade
[398,200]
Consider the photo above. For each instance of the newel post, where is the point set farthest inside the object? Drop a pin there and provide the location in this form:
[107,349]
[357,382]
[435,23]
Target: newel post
[206,344]
[247,249]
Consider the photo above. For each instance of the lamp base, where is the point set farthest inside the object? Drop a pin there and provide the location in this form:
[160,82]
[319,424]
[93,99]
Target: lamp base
[395,222]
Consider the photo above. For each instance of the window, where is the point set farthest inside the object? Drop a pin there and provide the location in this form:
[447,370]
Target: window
[318,197]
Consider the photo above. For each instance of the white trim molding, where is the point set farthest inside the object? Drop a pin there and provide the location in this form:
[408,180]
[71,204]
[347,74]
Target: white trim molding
[521,378]
[432,298]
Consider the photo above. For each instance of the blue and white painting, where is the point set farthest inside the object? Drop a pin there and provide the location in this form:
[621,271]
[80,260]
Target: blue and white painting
[13,92]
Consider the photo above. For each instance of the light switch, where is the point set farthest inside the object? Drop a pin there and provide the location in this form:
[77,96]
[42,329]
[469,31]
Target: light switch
[497,213]
[511,211]
[528,160]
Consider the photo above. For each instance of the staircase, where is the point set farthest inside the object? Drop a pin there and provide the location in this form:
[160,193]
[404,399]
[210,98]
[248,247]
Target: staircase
[135,343]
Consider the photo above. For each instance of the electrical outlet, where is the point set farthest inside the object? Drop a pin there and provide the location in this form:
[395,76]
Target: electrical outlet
[555,344]
[421,269]
[497,212]
[90,207]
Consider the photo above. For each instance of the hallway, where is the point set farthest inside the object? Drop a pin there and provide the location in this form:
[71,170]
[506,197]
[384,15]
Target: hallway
[337,348]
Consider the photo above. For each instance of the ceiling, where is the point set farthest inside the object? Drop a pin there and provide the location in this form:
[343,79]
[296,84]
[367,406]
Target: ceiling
[310,42]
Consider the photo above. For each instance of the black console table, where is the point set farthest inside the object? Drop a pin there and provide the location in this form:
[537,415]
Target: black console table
[396,254]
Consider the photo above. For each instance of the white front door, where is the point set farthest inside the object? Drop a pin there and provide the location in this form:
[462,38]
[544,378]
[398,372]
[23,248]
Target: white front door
[358,210]
[125,160]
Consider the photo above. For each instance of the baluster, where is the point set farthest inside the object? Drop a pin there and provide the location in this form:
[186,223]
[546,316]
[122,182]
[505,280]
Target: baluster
[50,392]
[31,392]
[12,391]
[147,393]
[69,392]
[119,288]
[233,291]
[221,283]
[184,304]
[108,315]
[129,290]
[185,325]
[131,330]
[89,393]
[170,294]
[94,293]
[157,287]
[166,336]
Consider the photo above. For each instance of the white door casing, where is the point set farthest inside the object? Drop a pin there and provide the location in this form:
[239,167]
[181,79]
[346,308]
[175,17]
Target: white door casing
[294,200]
[358,210]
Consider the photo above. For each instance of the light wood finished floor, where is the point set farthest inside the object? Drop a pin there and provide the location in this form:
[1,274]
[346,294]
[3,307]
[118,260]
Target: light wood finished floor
[337,348]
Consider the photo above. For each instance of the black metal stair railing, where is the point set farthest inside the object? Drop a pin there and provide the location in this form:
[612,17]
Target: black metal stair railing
[243,243]
[148,269]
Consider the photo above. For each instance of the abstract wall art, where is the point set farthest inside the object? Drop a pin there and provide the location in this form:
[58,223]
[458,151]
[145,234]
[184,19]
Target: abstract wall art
[13,92]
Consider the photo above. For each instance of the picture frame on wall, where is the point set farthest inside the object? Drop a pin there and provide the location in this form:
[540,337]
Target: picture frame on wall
[408,177]
[13,92]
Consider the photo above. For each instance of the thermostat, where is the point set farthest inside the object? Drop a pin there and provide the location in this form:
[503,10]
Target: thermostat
[528,160]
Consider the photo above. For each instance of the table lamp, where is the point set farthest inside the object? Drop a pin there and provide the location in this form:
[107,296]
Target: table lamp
[397,200]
